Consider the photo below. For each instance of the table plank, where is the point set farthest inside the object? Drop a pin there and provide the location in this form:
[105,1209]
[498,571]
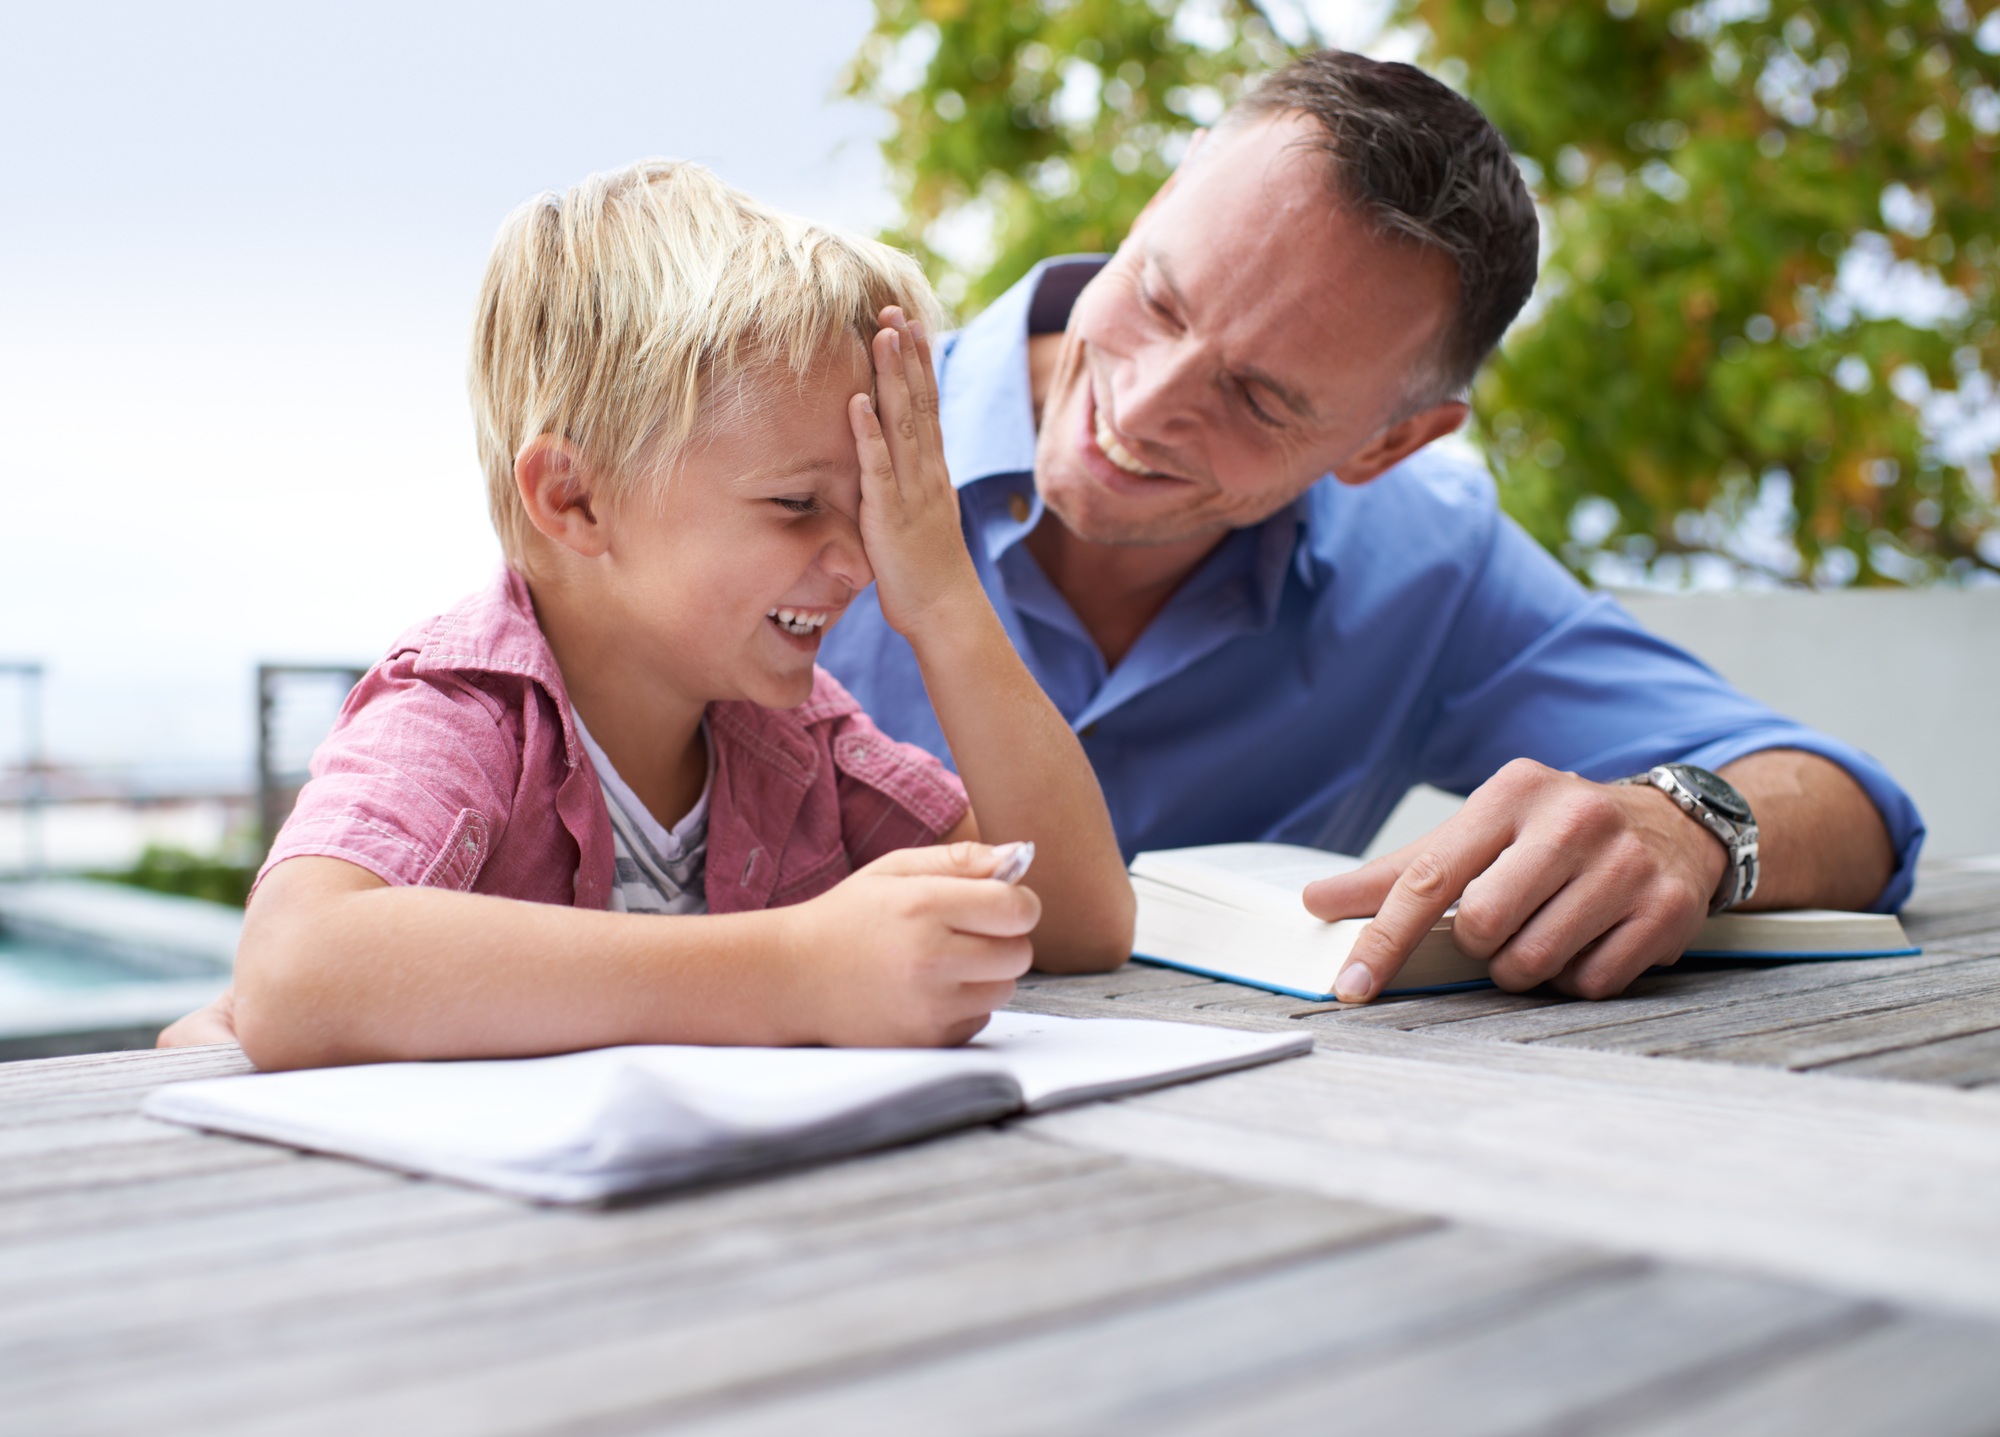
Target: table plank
[1883,1188]
[307,1294]
[1134,1369]
[1916,1374]
[1771,1016]
[112,1072]
[1384,1350]
[1669,994]
[1907,1028]
[1971,1061]
[570,1316]
[1575,1366]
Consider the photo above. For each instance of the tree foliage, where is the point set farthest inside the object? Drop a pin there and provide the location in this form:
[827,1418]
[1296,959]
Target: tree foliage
[1027,128]
[1764,339]
[1740,195]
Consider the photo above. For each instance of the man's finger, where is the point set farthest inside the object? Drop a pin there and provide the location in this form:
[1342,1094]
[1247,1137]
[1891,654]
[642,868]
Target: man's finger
[1356,894]
[1569,922]
[1499,902]
[1605,968]
[1460,849]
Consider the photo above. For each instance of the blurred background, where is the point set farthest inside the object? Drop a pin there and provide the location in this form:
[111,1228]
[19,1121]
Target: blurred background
[1755,388]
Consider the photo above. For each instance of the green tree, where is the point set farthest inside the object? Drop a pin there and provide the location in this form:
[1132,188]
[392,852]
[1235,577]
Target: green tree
[1733,190]
[1027,128]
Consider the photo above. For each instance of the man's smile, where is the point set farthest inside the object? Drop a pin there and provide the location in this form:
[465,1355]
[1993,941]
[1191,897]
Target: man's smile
[1108,458]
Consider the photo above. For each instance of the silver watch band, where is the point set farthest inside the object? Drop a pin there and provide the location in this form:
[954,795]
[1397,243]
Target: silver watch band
[1739,839]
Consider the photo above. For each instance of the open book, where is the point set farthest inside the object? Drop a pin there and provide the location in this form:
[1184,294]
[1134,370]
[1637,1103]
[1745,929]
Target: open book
[587,1126]
[1233,910]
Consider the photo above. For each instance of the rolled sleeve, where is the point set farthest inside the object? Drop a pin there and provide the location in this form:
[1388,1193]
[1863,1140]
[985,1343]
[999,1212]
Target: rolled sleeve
[1899,813]
[412,785]
[1539,668]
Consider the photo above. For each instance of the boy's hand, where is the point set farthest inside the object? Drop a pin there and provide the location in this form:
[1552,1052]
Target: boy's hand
[909,511]
[915,950]
[214,1024]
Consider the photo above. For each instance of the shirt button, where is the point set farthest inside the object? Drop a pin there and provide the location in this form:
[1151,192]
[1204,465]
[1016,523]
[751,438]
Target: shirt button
[1017,505]
[1089,730]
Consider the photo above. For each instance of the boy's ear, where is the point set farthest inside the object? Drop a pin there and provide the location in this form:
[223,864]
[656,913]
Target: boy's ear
[556,491]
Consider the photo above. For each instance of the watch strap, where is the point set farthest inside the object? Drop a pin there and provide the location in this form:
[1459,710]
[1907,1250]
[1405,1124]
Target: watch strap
[1739,840]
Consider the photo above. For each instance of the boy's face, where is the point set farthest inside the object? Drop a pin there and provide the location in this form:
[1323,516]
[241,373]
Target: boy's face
[728,580]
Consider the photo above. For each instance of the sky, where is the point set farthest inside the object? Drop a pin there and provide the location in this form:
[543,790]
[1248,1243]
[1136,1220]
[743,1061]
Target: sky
[238,254]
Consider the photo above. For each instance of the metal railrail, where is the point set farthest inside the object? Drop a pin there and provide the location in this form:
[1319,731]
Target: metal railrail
[277,786]
[34,764]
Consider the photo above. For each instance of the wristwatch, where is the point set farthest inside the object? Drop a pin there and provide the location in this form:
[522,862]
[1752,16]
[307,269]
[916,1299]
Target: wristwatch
[1713,803]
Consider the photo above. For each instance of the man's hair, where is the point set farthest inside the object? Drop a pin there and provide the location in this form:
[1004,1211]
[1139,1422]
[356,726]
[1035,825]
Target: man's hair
[614,314]
[1420,161]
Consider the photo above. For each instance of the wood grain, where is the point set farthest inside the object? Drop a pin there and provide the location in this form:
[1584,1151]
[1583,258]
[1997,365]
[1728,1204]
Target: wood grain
[1473,1212]
[1880,1188]
[1915,1374]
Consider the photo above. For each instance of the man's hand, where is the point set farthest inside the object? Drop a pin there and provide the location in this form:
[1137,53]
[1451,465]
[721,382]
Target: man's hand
[915,950]
[1557,880]
[910,522]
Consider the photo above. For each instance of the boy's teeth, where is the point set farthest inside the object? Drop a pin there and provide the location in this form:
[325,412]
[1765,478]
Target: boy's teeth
[1114,451]
[796,621]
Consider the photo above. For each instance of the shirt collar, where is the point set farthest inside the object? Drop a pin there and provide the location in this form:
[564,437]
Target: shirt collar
[985,405]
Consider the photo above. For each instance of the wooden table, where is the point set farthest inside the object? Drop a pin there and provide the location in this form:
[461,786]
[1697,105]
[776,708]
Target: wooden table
[1755,1200]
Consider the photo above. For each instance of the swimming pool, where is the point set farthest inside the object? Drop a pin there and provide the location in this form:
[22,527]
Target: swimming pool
[90,967]
[31,970]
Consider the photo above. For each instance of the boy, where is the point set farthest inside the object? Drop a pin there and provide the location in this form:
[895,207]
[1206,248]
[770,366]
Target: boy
[690,481]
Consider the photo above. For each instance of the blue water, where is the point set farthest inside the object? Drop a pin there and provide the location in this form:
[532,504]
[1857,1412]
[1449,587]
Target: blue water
[39,970]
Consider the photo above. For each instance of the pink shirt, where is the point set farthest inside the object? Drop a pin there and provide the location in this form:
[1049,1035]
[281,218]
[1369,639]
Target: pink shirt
[455,764]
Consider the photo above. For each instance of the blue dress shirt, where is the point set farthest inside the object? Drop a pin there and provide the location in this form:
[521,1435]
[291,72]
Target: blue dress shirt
[1318,665]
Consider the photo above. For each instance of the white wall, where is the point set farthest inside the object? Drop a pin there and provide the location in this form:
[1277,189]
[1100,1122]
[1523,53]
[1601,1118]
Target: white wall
[1911,677]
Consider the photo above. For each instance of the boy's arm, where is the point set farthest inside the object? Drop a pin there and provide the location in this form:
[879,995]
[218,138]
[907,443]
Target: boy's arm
[336,966]
[1024,771]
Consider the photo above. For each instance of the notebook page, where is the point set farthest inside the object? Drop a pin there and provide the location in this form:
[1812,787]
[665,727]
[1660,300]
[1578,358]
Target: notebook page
[1058,1061]
[568,1127]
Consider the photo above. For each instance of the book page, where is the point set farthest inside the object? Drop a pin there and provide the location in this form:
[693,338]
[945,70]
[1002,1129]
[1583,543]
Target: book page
[1260,877]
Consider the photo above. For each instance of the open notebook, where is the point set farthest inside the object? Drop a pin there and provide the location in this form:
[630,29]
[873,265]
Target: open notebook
[587,1126]
[1232,910]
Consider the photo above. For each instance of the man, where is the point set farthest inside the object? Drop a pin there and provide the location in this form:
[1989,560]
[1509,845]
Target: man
[1195,480]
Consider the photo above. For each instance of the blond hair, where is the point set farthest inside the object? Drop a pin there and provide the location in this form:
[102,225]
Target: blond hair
[609,313]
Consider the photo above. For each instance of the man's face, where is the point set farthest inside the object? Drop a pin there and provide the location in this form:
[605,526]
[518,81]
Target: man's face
[1249,336]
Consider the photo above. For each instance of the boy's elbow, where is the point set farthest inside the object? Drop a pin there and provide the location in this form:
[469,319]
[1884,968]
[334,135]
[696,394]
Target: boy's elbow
[270,1030]
[280,1014]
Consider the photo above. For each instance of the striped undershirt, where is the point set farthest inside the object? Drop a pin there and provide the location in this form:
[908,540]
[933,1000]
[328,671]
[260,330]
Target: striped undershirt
[657,870]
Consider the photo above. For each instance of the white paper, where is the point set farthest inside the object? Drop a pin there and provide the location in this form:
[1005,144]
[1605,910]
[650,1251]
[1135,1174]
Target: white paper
[589,1125]
[1057,1061]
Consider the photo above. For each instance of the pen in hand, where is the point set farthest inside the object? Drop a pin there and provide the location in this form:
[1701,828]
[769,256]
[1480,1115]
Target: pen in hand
[1014,860]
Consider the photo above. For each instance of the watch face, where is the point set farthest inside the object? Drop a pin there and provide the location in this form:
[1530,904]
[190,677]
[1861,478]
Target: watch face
[1713,791]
